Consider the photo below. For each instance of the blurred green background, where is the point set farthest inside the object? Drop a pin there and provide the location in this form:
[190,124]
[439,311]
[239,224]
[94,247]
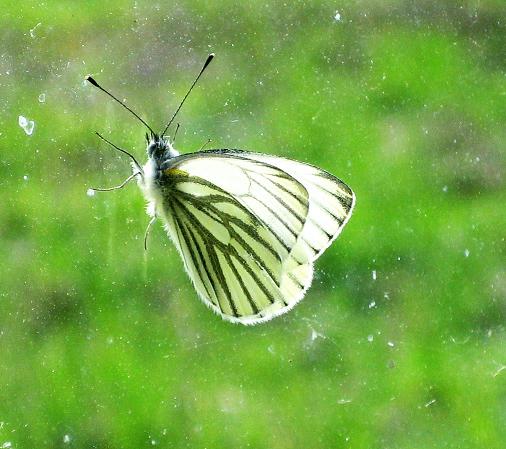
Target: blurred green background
[400,343]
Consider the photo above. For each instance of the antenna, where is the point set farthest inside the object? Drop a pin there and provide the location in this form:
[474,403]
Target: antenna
[131,156]
[92,81]
[208,60]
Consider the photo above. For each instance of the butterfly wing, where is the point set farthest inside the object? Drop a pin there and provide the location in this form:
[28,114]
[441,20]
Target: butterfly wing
[248,229]
[331,201]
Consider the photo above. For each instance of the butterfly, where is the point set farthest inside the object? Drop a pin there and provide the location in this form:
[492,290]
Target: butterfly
[248,226]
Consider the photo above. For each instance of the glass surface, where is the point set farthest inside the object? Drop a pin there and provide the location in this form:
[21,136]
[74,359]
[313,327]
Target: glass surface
[399,343]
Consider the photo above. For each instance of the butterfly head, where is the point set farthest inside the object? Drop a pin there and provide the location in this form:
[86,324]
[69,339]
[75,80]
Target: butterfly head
[159,149]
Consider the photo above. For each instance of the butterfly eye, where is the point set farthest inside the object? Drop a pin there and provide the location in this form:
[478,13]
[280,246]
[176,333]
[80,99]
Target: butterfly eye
[152,149]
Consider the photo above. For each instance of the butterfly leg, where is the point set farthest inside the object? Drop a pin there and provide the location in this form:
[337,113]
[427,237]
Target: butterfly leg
[123,184]
[175,134]
[147,232]
[207,142]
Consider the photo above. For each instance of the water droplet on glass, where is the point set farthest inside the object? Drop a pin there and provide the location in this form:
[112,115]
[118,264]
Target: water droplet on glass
[27,125]
[90,192]
[42,98]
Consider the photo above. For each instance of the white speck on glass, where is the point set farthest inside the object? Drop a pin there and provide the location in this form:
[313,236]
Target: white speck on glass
[32,30]
[466,252]
[374,276]
[66,438]
[315,335]
[499,371]
[391,344]
[42,98]
[25,178]
[6,445]
[370,338]
[337,16]
[27,125]
[90,192]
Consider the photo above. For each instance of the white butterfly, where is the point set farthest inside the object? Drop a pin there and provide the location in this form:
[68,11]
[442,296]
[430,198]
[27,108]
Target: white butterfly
[248,226]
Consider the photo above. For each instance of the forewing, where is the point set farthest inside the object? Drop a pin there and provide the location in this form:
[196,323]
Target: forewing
[237,222]
[331,201]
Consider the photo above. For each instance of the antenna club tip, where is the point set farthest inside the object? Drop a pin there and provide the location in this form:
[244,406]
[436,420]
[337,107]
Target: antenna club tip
[90,79]
[208,60]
